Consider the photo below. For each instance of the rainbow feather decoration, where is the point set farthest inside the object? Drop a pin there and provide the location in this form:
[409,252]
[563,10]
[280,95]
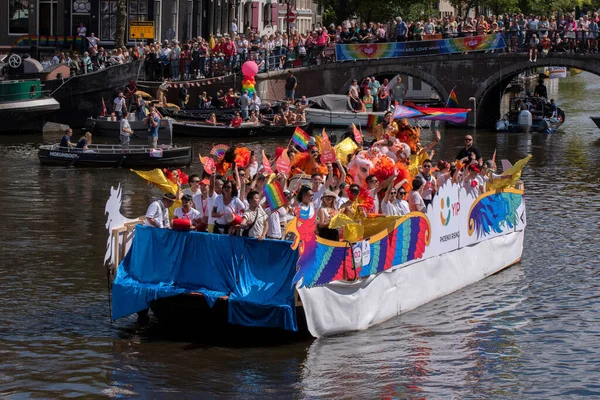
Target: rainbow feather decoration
[274,195]
[219,151]
[494,212]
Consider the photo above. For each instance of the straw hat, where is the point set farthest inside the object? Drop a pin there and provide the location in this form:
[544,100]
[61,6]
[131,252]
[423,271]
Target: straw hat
[329,193]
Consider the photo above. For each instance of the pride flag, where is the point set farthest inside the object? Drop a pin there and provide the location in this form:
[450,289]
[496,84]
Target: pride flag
[454,115]
[274,195]
[373,120]
[300,138]
[452,100]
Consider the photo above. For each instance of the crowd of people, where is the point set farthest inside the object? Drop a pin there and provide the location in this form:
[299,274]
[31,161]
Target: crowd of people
[376,178]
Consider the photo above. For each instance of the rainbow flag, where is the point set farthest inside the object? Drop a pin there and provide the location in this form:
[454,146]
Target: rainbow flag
[452,100]
[274,195]
[373,120]
[300,138]
[454,115]
[22,41]
[69,40]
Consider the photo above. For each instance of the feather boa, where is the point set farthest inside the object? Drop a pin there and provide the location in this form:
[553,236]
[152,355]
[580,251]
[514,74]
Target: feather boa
[410,135]
[238,155]
[362,200]
[173,174]
[303,163]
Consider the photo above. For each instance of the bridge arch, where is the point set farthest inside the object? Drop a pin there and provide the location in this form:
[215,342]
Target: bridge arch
[489,94]
[399,69]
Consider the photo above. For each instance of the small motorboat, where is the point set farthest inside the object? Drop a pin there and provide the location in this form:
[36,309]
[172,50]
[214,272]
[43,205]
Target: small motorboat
[222,114]
[530,114]
[336,110]
[596,121]
[106,127]
[203,129]
[114,156]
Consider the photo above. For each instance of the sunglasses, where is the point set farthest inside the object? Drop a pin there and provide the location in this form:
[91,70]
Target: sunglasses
[402,193]
[314,152]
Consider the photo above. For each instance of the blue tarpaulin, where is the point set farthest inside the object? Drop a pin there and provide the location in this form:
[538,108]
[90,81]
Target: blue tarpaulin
[256,275]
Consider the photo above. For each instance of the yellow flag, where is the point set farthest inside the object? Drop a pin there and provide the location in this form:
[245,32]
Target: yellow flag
[345,147]
[509,177]
[157,178]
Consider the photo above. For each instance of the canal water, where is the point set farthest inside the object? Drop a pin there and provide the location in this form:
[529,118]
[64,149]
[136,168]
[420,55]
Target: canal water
[531,331]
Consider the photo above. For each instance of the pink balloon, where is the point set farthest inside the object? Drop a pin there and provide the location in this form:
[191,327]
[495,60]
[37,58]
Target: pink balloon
[249,68]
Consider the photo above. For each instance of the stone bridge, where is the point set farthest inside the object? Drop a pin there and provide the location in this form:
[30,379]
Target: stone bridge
[483,76]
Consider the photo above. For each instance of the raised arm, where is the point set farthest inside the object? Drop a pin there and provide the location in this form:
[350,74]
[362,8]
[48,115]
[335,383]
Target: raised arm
[433,143]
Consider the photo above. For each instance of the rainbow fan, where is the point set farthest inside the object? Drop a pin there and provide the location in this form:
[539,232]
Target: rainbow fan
[219,151]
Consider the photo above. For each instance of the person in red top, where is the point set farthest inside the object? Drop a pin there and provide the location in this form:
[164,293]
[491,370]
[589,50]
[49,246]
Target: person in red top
[236,121]
[228,50]
[230,98]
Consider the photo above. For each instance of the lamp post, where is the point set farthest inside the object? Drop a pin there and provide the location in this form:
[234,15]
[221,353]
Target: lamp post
[287,15]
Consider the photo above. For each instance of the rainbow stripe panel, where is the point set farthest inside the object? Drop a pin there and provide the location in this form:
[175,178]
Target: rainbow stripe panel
[373,51]
[274,195]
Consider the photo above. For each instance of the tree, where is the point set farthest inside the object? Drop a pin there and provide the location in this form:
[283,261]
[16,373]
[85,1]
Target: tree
[121,23]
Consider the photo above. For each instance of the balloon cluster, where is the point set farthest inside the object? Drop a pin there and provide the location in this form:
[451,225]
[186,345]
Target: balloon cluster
[249,70]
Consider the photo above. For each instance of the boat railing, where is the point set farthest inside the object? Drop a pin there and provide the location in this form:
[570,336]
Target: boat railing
[122,236]
[100,149]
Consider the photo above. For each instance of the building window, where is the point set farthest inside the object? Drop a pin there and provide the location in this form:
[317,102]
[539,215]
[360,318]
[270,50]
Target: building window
[266,14]
[81,6]
[108,19]
[138,10]
[18,16]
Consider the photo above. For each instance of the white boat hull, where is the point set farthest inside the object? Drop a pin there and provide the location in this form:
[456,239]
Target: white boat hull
[338,118]
[340,306]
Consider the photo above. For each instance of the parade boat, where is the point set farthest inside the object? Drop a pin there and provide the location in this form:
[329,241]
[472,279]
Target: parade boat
[203,129]
[24,107]
[114,156]
[399,264]
[107,127]
[336,110]
[530,114]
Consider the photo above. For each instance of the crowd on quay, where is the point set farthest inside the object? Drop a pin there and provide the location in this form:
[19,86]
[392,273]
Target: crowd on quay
[234,202]
[90,57]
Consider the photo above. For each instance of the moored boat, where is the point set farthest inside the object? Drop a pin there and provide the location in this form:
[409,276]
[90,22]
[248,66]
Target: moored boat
[203,129]
[24,108]
[336,110]
[400,264]
[106,127]
[114,156]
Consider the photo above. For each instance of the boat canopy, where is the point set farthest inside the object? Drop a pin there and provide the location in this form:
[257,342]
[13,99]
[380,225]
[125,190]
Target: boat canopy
[332,102]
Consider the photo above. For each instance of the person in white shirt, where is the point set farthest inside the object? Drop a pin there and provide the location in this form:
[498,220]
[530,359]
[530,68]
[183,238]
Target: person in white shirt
[81,32]
[187,212]
[225,207]
[194,189]
[215,190]
[157,214]
[276,217]
[473,182]
[119,106]
[255,221]
[415,200]
[125,131]
[92,40]
[318,188]
[56,59]
[393,202]
[431,187]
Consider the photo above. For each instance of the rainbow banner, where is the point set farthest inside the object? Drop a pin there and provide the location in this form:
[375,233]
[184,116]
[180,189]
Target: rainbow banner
[274,195]
[300,138]
[370,51]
